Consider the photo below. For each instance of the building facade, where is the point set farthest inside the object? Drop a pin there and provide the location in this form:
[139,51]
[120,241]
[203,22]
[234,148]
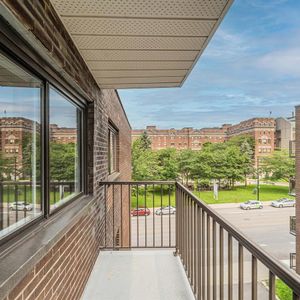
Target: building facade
[261,129]
[285,132]
[185,138]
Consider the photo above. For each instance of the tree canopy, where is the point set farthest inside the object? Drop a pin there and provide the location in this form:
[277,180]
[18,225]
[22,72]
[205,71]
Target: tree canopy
[230,161]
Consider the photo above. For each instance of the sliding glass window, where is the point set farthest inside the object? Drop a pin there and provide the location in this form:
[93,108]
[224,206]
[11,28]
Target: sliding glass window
[65,154]
[20,147]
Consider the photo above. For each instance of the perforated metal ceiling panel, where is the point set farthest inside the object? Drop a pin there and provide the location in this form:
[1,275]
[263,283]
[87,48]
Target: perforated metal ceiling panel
[141,43]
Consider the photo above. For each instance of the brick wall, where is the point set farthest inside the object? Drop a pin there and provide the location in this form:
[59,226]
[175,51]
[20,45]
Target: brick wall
[64,270]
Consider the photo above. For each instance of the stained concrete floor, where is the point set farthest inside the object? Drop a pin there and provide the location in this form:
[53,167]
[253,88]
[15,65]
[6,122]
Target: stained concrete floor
[135,275]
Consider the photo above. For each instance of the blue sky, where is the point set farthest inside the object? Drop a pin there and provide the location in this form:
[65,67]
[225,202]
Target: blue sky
[250,68]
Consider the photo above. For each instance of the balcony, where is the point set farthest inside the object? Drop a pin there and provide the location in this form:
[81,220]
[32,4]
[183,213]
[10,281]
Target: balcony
[293,225]
[190,253]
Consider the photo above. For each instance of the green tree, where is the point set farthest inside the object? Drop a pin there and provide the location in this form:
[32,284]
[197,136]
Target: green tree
[167,164]
[186,164]
[63,159]
[144,141]
[279,166]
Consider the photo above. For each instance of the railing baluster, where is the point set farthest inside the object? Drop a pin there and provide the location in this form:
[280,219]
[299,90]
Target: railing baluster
[203,255]
[214,262]
[241,272]
[169,216]
[254,278]
[199,248]
[121,208]
[129,212]
[229,266]
[153,215]
[105,216]
[208,255]
[195,248]
[113,213]
[8,203]
[271,286]
[192,244]
[161,217]
[221,245]
[137,217]
[188,249]
[295,296]
[145,215]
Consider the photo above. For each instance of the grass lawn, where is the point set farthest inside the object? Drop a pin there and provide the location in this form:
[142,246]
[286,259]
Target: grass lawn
[242,193]
[9,194]
[283,292]
[237,195]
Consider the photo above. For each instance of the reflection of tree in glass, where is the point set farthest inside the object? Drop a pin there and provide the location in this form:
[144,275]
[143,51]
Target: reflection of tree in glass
[63,159]
[6,167]
[30,155]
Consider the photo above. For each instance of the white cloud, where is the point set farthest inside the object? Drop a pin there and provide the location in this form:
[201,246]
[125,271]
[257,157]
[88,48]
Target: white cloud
[283,62]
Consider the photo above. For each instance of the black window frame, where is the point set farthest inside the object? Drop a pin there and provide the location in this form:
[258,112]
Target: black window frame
[17,50]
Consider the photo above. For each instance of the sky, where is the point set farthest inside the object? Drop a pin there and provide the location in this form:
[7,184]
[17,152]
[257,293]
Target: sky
[251,68]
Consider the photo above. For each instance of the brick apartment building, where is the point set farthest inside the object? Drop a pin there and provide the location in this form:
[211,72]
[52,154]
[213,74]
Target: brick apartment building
[63,135]
[262,130]
[14,130]
[185,138]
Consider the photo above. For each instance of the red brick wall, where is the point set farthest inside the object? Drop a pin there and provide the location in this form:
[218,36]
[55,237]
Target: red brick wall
[64,270]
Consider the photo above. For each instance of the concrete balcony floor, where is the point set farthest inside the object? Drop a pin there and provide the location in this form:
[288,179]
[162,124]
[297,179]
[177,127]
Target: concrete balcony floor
[138,274]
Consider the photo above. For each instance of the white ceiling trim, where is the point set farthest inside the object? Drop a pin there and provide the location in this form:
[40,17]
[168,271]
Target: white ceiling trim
[141,43]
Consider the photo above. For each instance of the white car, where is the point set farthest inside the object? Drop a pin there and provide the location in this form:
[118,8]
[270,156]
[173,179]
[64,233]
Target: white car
[251,204]
[166,210]
[284,202]
[20,206]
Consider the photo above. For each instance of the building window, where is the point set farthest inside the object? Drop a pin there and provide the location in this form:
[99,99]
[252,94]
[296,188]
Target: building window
[25,151]
[64,157]
[20,198]
[112,149]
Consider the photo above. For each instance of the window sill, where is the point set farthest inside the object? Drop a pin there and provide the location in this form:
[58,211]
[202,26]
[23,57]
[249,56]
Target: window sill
[113,177]
[20,255]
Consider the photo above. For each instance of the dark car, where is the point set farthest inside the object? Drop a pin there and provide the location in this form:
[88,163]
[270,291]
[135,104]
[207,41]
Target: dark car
[142,211]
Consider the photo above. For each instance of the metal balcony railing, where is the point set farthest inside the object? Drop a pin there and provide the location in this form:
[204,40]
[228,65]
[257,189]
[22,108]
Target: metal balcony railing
[213,252]
[293,225]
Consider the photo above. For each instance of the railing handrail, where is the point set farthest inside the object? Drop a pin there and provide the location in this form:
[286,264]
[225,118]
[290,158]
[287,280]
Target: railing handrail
[149,182]
[276,267]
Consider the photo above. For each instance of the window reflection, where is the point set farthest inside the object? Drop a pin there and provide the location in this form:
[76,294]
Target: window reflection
[65,120]
[20,192]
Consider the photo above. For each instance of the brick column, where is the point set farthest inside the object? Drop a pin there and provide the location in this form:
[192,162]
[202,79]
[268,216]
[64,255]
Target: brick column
[298,189]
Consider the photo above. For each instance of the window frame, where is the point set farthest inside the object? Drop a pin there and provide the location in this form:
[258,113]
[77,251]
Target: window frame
[112,129]
[15,49]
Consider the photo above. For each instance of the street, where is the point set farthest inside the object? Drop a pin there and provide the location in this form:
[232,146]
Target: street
[268,227]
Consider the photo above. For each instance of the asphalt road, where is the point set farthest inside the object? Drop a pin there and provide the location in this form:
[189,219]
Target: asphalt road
[268,227]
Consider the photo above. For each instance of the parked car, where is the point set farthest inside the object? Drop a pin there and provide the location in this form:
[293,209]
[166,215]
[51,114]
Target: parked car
[166,210]
[251,204]
[142,211]
[20,206]
[284,202]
